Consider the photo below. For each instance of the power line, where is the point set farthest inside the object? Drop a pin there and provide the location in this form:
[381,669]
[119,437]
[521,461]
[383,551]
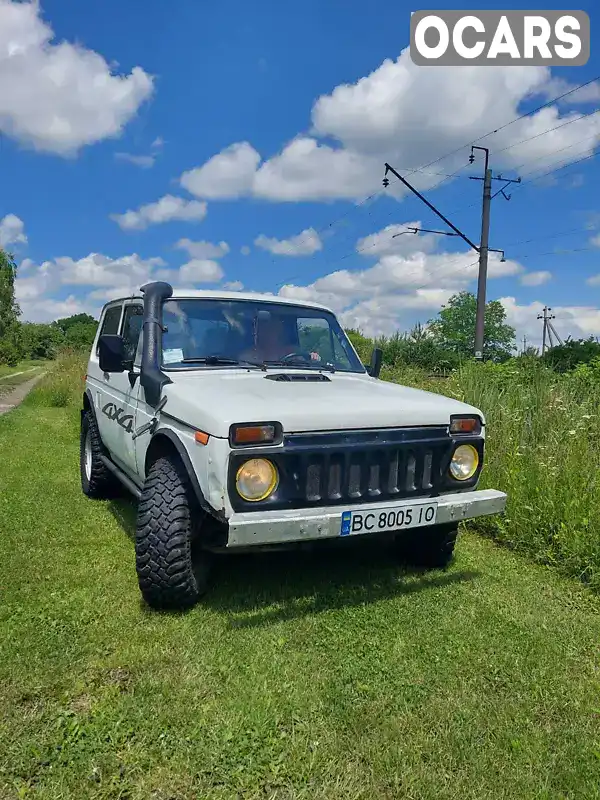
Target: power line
[512,122]
[549,130]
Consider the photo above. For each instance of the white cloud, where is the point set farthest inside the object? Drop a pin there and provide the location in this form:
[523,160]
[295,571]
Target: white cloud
[233,286]
[594,280]
[228,174]
[12,231]
[595,240]
[145,162]
[396,240]
[245,250]
[200,270]
[203,249]
[158,143]
[557,86]
[536,278]
[579,322]
[167,209]
[304,243]
[408,116]
[101,278]
[377,299]
[58,97]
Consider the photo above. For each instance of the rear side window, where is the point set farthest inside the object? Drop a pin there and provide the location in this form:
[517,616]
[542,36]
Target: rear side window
[110,323]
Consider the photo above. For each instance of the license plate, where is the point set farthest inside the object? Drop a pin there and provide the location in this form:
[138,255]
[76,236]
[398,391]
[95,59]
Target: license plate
[388,519]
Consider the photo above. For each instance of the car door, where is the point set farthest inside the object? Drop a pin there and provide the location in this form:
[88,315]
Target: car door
[100,382]
[123,390]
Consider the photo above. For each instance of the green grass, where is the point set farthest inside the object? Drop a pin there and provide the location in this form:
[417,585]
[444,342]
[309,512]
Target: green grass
[327,677]
[543,449]
[22,365]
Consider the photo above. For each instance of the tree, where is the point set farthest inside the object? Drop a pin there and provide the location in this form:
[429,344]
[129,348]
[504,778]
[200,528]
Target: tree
[10,348]
[39,340]
[77,319]
[454,328]
[81,336]
[567,356]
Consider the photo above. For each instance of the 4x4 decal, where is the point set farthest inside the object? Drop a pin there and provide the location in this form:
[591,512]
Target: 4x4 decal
[118,415]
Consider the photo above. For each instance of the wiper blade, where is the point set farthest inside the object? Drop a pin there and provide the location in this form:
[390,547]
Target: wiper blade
[215,361]
[296,365]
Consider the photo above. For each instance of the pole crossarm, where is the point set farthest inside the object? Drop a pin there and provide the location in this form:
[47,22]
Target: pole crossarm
[458,232]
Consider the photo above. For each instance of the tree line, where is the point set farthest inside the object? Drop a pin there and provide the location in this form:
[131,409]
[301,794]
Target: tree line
[34,340]
[440,346]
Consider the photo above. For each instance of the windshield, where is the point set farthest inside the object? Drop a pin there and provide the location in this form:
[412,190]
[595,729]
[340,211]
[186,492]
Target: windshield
[201,333]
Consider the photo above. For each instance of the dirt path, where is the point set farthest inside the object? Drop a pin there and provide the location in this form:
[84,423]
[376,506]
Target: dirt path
[18,394]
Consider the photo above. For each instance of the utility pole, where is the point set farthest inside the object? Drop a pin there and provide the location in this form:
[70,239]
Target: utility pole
[524,344]
[549,331]
[483,249]
[483,254]
[484,246]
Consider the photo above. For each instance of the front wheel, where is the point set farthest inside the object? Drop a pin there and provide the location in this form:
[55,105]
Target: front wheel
[428,547]
[171,567]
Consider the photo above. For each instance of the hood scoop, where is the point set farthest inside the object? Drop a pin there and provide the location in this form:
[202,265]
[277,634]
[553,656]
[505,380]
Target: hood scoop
[316,377]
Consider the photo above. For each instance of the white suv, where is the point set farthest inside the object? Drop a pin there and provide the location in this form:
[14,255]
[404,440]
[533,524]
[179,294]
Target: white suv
[243,420]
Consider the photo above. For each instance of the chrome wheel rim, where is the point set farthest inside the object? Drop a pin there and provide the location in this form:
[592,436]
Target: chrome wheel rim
[87,460]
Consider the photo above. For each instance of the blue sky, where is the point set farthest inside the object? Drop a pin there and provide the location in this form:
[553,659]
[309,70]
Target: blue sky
[265,126]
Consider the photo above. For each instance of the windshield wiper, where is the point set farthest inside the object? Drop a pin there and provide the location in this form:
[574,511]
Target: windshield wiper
[217,361]
[297,365]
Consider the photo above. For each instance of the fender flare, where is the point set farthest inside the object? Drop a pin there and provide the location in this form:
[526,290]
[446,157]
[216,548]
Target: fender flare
[191,473]
[92,409]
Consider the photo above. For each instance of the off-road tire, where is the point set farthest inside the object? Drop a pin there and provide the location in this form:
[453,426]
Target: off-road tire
[101,484]
[172,569]
[427,547]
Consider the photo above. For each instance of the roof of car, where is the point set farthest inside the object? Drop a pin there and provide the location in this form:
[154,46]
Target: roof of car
[217,294]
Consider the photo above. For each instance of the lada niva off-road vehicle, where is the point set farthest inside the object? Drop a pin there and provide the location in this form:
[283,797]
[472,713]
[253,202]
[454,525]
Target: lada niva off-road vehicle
[241,420]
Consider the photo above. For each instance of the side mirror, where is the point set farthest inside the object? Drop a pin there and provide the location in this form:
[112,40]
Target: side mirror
[374,367]
[111,353]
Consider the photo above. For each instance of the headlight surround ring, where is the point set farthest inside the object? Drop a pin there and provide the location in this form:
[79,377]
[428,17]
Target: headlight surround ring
[256,479]
[464,462]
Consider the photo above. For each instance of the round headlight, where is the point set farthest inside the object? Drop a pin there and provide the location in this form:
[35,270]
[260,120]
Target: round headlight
[256,479]
[464,462]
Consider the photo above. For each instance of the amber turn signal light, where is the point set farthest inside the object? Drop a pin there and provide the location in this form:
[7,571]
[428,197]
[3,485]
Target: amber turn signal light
[470,425]
[261,433]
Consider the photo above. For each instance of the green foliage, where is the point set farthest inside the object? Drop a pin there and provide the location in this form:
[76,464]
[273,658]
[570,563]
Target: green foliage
[454,328]
[362,344]
[10,348]
[572,353]
[66,323]
[39,341]
[81,335]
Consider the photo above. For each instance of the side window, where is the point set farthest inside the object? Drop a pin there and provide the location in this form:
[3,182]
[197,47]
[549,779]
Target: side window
[110,323]
[132,327]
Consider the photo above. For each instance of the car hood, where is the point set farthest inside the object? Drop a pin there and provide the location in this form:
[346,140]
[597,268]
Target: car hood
[213,400]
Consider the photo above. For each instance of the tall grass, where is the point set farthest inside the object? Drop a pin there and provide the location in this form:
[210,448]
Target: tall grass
[63,385]
[542,449]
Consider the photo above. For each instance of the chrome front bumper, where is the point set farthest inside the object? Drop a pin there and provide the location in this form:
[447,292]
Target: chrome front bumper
[298,525]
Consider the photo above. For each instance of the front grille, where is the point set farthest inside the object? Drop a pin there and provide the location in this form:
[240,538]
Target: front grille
[378,473]
[347,468]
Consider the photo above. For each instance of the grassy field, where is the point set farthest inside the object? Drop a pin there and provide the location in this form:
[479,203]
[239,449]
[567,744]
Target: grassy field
[319,677]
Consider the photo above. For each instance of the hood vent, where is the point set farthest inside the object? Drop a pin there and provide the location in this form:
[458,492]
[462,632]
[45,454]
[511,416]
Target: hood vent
[316,377]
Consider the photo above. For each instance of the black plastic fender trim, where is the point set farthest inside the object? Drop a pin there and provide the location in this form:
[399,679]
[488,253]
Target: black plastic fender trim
[187,463]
